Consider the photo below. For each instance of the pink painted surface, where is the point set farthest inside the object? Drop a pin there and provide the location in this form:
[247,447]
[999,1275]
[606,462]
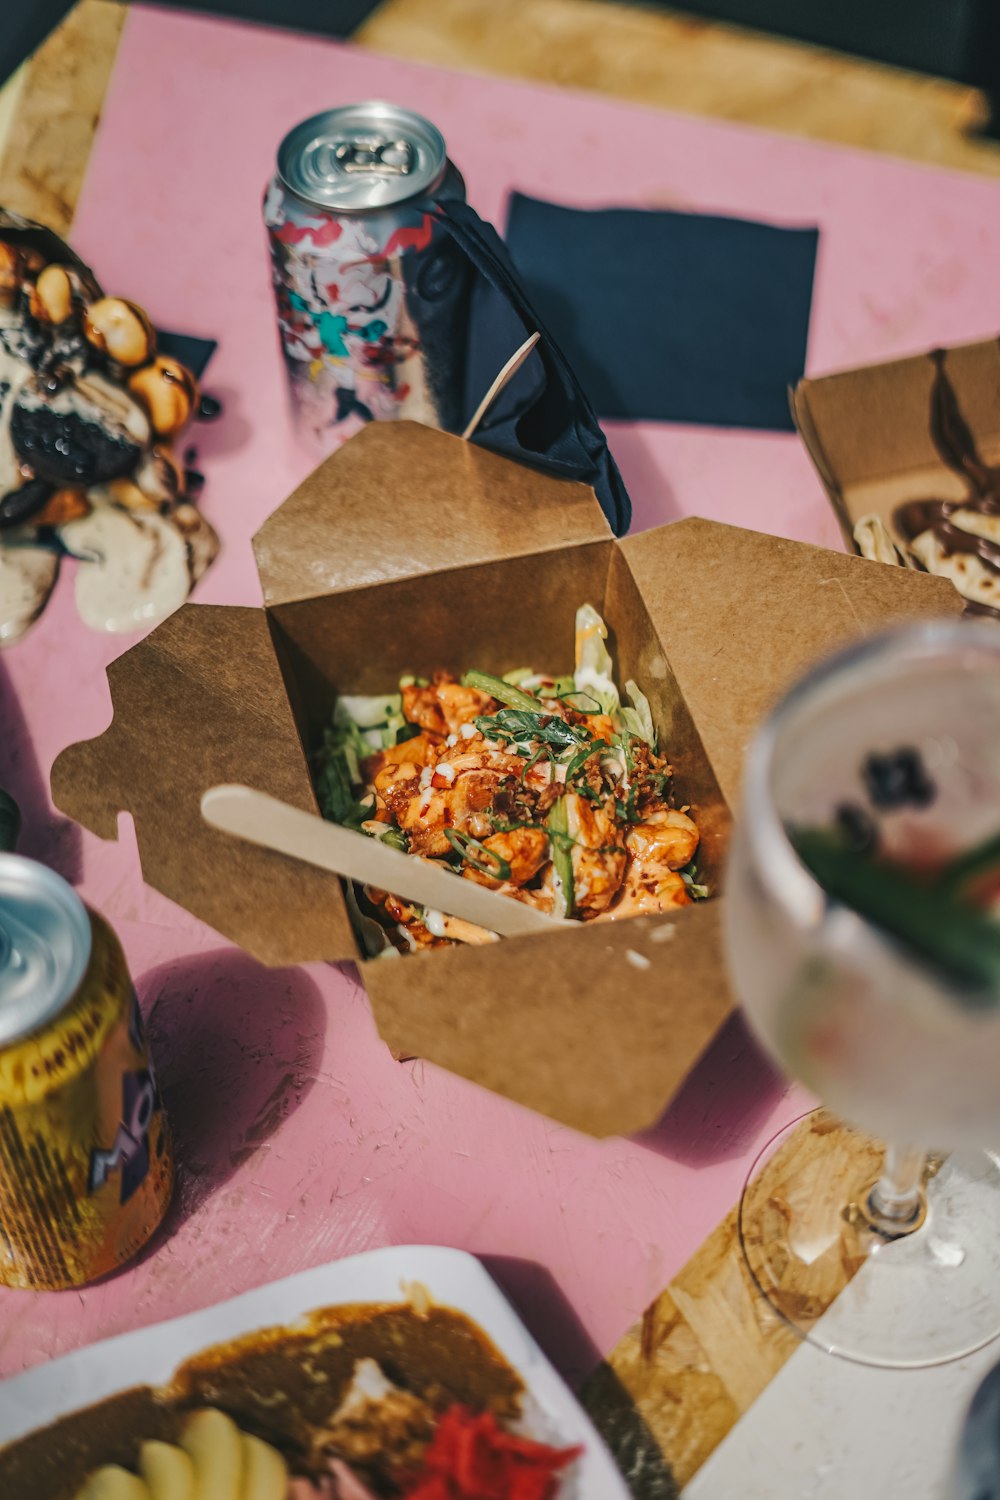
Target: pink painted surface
[299,1139]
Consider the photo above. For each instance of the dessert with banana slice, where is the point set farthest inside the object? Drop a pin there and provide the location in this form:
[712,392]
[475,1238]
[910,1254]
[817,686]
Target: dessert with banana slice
[90,413]
[363,1402]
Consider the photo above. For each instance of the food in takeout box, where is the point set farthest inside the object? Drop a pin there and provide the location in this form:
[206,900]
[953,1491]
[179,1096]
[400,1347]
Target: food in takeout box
[546,789]
[89,417]
[410,551]
[364,1402]
[909,453]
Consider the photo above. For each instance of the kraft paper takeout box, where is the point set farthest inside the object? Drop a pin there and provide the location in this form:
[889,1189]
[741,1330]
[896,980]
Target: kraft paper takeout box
[408,550]
[868,431]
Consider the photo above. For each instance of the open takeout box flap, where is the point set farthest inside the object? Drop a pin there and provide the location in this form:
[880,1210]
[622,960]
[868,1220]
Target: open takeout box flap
[868,430]
[597,1027]
[200,701]
[741,614]
[400,499]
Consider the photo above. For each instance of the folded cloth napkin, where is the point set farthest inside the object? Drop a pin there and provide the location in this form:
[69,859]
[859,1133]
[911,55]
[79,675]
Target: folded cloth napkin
[671,316]
[542,416]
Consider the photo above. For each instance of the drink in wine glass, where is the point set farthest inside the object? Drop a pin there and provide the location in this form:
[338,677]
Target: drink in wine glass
[863,941]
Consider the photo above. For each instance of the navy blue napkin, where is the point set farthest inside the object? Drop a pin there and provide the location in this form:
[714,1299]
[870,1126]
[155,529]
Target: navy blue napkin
[542,416]
[671,316]
[193,352]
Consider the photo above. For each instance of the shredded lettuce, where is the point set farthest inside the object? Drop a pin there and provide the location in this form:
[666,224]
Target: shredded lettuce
[338,769]
[637,716]
[594,667]
[378,720]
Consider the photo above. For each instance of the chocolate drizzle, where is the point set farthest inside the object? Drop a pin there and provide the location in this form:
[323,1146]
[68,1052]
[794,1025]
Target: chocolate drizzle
[953,440]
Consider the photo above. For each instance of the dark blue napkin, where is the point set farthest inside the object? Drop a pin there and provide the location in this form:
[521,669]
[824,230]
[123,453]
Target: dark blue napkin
[671,316]
[542,416]
[193,352]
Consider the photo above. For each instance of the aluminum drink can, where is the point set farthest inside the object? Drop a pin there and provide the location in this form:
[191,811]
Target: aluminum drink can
[372,292]
[86,1166]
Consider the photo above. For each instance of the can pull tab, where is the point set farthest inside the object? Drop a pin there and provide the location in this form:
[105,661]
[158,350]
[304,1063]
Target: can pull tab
[390,158]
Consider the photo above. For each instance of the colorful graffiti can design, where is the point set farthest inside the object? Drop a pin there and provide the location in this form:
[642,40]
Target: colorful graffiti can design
[371,290]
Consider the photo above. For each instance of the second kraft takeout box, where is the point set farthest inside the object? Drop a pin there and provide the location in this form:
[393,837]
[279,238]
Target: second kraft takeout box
[409,550]
[870,431]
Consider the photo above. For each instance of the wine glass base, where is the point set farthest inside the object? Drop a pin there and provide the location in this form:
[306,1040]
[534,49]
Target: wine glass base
[918,1299]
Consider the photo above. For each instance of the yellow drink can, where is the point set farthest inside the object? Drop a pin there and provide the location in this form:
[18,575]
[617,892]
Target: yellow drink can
[86,1165]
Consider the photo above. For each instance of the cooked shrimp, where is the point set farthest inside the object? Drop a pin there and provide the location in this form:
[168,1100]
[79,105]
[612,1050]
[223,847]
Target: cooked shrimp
[667,838]
[524,849]
[395,784]
[420,750]
[445,705]
[598,854]
[647,890]
[455,793]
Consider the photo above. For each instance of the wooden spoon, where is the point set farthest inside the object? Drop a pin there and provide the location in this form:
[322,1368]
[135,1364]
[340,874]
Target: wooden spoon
[273,824]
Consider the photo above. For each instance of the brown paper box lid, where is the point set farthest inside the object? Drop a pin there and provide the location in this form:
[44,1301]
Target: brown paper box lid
[199,701]
[741,614]
[400,499]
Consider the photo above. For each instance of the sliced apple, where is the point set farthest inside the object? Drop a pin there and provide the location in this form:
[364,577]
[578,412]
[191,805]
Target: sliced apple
[265,1473]
[212,1442]
[167,1470]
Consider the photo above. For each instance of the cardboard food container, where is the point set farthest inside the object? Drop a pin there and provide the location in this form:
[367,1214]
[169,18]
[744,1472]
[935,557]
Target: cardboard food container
[924,428]
[409,550]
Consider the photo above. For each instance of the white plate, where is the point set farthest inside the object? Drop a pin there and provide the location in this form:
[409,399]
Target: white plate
[149,1356]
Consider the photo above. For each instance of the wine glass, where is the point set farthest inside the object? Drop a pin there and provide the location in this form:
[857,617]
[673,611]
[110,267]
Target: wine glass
[896,741]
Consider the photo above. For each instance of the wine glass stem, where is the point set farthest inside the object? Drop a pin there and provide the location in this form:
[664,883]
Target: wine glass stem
[897,1196]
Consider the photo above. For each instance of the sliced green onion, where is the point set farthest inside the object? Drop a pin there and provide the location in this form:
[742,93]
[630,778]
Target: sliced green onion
[504,692]
[561,841]
[396,839]
[582,756]
[696,889]
[579,693]
[536,756]
[463,842]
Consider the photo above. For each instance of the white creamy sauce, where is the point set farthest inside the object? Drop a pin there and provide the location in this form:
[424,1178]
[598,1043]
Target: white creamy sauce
[13,373]
[452,740]
[445,769]
[140,571]
[27,575]
[467,731]
[435,922]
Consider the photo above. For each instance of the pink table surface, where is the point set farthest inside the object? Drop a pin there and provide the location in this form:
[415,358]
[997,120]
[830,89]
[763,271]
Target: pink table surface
[299,1139]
